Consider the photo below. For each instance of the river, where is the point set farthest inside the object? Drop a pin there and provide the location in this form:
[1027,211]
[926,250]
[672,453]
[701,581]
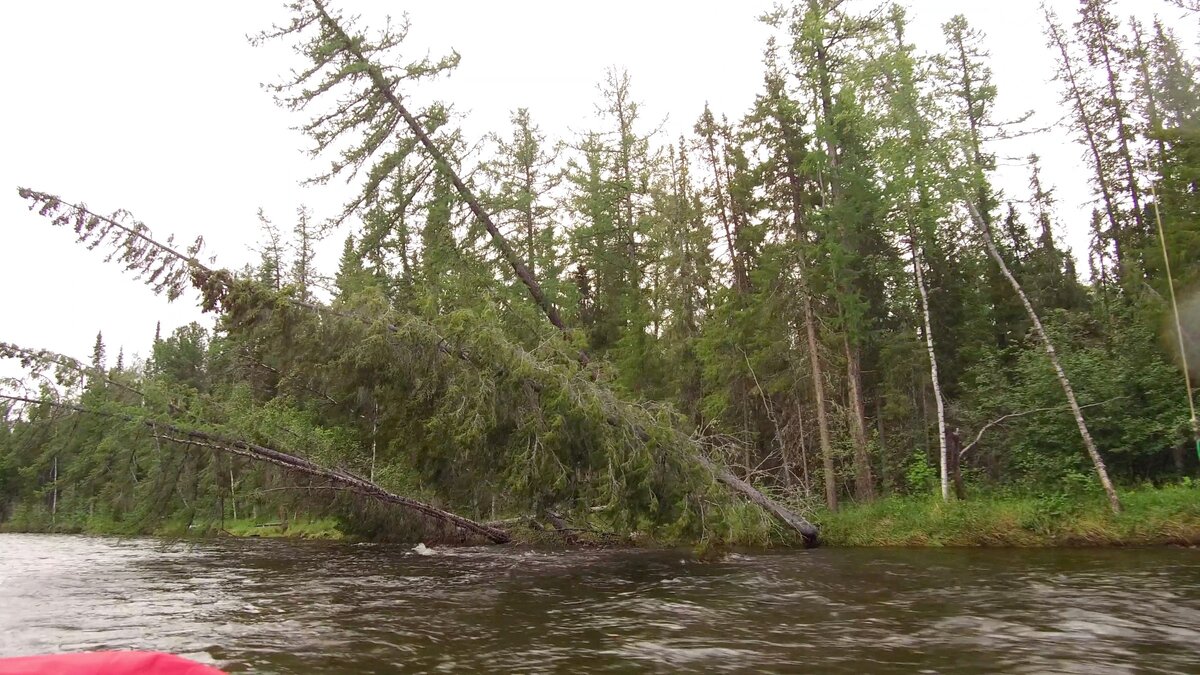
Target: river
[320,607]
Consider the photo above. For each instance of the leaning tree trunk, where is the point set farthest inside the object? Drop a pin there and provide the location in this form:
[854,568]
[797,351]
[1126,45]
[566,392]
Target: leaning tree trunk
[351,48]
[943,461]
[1097,461]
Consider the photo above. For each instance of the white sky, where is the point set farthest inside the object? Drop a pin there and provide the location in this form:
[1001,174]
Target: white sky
[156,107]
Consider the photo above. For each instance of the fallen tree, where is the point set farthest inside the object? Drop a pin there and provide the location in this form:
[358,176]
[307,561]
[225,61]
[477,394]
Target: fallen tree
[170,432]
[40,358]
[616,452]
[631,430]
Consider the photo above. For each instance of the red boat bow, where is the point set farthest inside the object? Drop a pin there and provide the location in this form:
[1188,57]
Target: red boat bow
[105,663]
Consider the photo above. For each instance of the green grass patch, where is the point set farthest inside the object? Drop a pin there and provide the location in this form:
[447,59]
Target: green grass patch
[302,528]
[1152,516]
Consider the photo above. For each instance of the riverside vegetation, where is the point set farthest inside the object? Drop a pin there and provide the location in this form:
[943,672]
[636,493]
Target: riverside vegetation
[719,339]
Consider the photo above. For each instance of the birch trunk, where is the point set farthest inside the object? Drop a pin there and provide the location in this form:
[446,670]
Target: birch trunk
[374,438]
[943,462]
[54,496]
[1097,461]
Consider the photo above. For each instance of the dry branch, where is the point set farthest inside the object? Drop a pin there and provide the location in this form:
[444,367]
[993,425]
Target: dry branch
[1004,418]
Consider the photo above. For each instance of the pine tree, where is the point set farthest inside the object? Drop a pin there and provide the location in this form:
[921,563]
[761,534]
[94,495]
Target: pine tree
[351,276]
[1083,97]
[1104,45]
[831,53]
[98,361]
[779,123]
[305,238]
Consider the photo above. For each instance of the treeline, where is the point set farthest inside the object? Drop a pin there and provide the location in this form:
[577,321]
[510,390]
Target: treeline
[821,292]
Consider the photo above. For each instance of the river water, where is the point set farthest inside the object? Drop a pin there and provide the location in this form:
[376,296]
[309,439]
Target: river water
[311,607]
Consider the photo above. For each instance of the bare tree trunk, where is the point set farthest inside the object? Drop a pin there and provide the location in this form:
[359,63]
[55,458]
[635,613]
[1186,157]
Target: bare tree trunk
[803,449]
[788,479]
[799,524]
[885,479]
[818,380]
[864,482]
[1123,133]
[1097,461]
[374,437]
[740,279]
[943,462]
[54,495]
[1090,132]
[381,84]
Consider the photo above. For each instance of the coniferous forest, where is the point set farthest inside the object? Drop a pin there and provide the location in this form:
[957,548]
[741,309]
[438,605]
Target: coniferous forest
[818,305]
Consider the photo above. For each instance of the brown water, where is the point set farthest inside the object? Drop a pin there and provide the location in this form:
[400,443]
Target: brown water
[297,607]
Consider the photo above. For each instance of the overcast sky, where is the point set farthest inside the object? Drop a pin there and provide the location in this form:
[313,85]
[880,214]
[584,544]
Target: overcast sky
[156,107]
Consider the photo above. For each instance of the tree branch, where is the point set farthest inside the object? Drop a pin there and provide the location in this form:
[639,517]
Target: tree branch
[1005,418]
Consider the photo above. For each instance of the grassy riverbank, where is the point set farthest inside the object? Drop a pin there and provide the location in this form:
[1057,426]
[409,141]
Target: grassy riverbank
[1152,516]
[299,528]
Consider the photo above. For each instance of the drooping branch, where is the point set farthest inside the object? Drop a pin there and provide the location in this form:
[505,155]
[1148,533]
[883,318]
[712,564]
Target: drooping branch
[35,359]
[159,264]
[290,462]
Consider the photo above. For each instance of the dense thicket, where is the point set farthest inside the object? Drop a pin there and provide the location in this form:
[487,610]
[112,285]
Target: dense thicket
[803,291]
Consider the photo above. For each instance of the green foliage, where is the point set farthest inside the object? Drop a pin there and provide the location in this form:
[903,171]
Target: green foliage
[720,285]
[920,475]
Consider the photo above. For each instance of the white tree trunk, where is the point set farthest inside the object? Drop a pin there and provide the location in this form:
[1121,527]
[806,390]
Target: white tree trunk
[54,496]
[944,471]
[232,496]
[374,438]
[1097,461]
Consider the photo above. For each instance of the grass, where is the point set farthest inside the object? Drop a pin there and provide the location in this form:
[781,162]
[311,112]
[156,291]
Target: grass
[296,528]
[321,528]
[1152,516]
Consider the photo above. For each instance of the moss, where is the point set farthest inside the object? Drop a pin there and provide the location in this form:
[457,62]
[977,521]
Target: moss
[1152,516]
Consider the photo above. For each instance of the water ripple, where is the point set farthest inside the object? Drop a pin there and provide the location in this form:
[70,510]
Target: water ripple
[303,607]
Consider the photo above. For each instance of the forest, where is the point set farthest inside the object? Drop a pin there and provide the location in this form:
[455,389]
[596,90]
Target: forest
[816,305]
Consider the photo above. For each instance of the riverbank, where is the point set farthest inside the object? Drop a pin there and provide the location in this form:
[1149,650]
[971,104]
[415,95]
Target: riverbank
[298,528]
[1151,517]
